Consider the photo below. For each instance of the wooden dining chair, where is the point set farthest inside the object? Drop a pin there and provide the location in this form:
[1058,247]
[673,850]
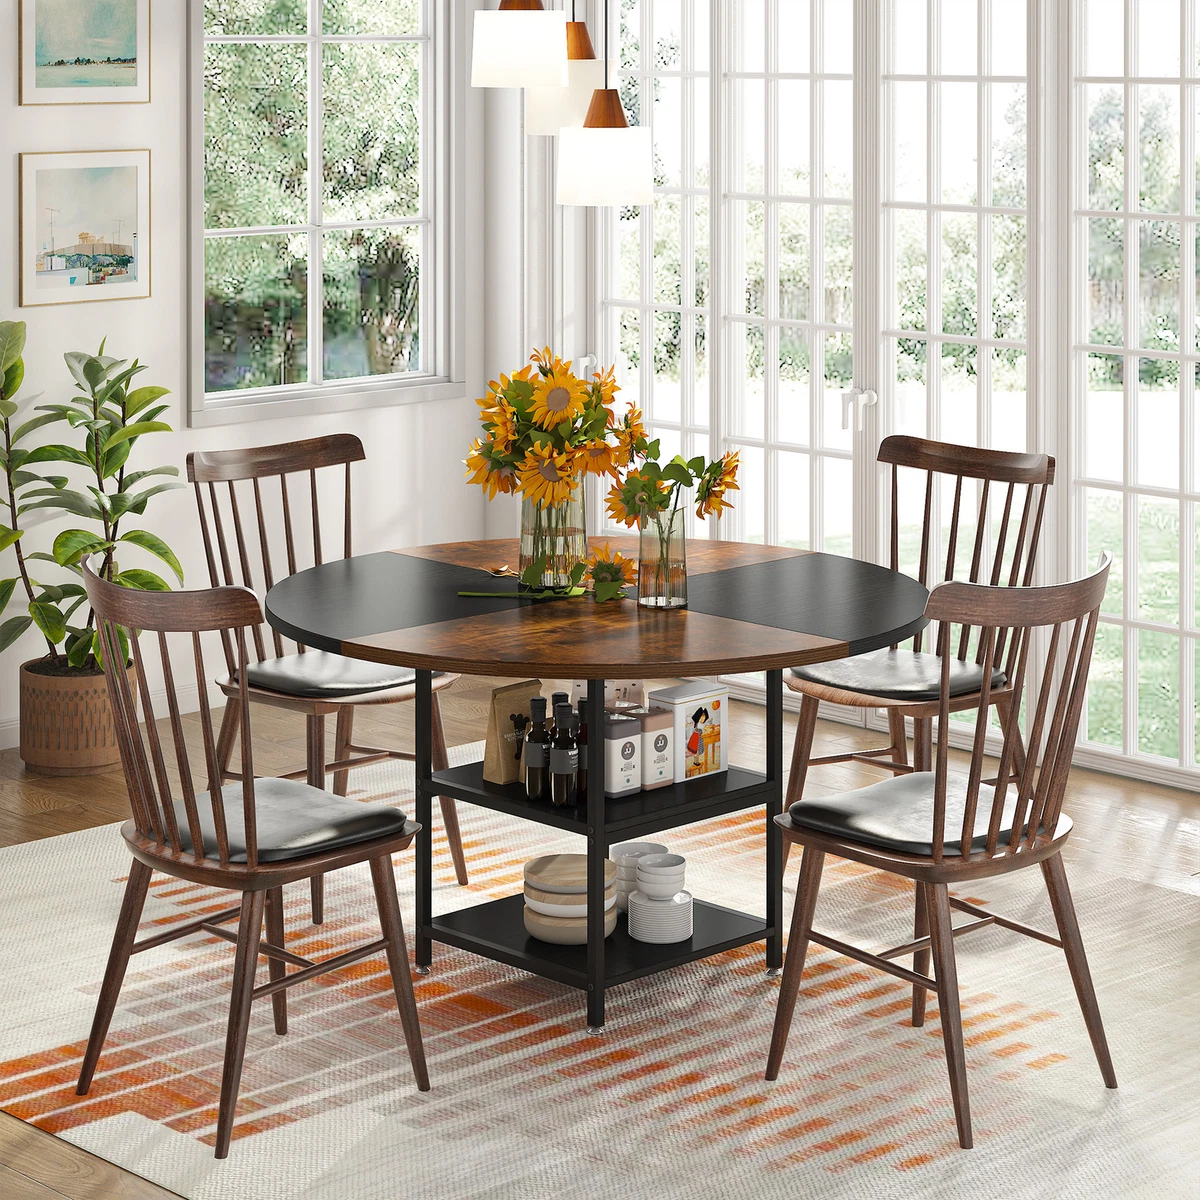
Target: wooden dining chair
[251,837]
[311,682]
[904,680]
[938,828]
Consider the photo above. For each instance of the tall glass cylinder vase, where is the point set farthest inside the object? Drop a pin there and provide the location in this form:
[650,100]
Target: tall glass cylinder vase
[556,536]
[662,559]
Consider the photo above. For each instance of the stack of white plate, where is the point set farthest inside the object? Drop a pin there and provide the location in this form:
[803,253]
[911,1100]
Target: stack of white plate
[556,899]
[660,911]
[626,857]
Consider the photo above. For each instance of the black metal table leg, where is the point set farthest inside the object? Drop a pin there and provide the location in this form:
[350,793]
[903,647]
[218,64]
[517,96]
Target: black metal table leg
[597,847]
[774,808]
[424,770]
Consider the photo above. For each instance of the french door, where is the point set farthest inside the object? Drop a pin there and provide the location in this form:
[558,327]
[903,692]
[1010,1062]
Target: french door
[852,201]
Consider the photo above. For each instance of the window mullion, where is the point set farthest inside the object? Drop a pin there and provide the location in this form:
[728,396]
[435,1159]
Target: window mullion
[316,195]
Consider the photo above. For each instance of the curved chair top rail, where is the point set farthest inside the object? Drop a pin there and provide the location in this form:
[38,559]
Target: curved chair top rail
[971,462]
[224,466]
[1039,763]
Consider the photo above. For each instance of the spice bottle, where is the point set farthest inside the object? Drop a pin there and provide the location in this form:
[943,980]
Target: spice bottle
[564,758]
[537,739]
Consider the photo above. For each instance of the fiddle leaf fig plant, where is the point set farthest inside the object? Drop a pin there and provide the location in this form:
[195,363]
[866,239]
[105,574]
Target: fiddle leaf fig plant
[113,416]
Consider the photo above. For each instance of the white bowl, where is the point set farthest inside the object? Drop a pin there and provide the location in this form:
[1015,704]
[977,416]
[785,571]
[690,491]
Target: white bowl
[627,872]
[659,891]
[662,864]
[564,910]
[628,854]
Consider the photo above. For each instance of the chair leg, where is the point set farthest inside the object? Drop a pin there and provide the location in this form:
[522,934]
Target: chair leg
[441,761]
[1068,929]
[275,935]
[341,743]
[937,902]
[244,965]
[315,744]
[806,727]
[392,925]
[921,958]
[922,744]
[797,950]
[230,722]
[114,974]
[898,735]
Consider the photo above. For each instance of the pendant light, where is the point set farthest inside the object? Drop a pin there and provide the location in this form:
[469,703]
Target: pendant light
[605,163]
[547,110]
[520,45]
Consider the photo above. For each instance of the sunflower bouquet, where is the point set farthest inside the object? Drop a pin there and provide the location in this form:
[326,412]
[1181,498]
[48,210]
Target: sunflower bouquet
[544,430]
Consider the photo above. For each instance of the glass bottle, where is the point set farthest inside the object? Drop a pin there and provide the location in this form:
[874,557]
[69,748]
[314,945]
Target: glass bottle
[537,739]
[581,742]
[556,700]
[564,759]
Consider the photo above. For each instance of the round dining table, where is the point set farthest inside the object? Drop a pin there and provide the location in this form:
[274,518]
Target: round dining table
[751,608]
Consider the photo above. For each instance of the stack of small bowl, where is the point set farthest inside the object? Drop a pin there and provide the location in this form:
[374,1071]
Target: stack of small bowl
[660,911]
[626,857]
[556,898]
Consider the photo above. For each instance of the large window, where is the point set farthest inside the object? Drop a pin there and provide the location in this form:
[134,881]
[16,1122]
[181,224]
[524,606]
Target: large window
[856,195]
[319,195]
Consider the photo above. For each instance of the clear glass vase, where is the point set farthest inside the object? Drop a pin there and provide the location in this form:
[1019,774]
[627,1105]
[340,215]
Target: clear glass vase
[662,559]
[556,534]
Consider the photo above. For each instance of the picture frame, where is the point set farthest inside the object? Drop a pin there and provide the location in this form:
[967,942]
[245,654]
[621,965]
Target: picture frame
[83,52]
[85,219]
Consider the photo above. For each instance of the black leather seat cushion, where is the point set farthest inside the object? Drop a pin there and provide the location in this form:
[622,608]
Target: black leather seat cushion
[897,814]
[897,675]
[293,820]
[318,675]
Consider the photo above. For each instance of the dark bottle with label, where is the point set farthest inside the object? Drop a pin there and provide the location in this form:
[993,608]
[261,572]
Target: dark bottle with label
[537,744]
[564,758]
[581,742]
[557,699]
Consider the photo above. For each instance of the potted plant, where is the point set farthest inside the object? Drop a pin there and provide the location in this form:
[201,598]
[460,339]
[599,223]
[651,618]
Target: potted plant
[66,726]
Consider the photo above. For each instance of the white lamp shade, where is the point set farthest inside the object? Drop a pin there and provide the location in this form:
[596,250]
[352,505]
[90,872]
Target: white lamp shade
[599,168]
[547,110]
[522,48]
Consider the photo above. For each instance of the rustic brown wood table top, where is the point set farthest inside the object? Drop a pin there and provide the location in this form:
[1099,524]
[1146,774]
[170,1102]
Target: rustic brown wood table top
[751,608]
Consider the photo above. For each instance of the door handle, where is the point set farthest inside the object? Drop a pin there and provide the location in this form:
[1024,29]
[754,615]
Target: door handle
[853,403]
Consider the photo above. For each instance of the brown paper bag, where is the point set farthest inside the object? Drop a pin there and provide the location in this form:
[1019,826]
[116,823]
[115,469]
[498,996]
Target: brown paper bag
[502,756]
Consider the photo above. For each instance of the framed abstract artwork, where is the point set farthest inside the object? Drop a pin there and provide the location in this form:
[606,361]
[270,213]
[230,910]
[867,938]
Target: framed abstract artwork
[84,51]
[85,226]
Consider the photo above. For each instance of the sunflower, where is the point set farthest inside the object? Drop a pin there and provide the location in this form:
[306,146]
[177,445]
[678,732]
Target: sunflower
[558,396]
[488,468]
[629,431]
[637,495]
[721,477]
[610,571]
[501,422]
[547,476]
[605,387]
[598,458]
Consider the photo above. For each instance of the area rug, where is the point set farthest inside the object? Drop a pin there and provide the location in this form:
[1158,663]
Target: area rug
[669,1103]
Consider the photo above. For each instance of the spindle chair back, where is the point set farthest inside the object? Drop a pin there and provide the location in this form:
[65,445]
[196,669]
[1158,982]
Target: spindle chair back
[975,830]
[188,823]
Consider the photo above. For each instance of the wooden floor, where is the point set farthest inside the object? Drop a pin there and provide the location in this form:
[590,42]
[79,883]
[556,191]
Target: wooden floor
[1157,831]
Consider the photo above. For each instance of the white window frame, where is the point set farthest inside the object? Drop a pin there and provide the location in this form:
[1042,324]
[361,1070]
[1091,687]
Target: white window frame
[445,43]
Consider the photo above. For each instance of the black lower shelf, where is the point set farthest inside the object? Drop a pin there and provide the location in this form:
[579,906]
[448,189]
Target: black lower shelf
[625,817]
[497,930]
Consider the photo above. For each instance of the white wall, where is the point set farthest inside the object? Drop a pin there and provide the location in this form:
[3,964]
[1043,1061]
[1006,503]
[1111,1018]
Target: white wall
[411,489]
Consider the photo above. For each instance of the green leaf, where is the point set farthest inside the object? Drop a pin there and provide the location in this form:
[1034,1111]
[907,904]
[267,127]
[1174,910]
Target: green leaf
[124,503]
[143,581]
[72,544]
[115,459]
[696,465]
[679,472]
[532,575]
[69,501]
[9,536]
[79,645]
[136,401]
[8,409]
[75,360]
[22,479]
[136,477]
[53,452]
[609,589]
[49,620]
[12,343]
[12,629]
[13,378]
[152,543]
[36,423]
[577,572]
[134,431]
[6,591]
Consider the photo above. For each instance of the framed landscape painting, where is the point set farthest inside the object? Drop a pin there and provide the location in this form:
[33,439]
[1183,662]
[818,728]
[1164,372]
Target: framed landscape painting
[85,51]
[85,226]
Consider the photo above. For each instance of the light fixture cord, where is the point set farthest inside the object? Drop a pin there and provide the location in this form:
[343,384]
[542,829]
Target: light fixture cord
[606,26]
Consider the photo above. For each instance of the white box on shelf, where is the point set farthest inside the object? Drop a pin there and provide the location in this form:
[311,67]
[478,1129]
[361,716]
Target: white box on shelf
[699,730]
